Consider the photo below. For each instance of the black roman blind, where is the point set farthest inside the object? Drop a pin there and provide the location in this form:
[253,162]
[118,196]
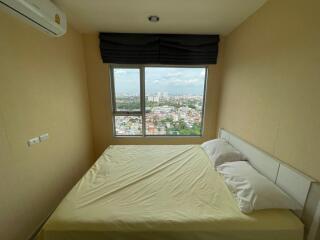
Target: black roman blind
[176,49]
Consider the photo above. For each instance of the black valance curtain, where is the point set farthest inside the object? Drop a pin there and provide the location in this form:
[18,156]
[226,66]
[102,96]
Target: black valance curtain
[128,48]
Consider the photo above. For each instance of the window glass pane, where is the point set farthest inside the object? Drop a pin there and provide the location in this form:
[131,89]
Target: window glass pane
[174,100]
[128,125]
[127,89]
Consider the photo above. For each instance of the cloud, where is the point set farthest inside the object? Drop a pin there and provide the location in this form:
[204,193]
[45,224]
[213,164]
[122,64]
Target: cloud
[187,82]
[163,79]
[122,71]
[174,74]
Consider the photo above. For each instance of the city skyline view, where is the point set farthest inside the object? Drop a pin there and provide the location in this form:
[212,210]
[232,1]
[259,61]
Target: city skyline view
[172,101]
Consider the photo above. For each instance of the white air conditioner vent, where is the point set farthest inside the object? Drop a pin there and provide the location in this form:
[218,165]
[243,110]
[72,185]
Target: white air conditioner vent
[42,14]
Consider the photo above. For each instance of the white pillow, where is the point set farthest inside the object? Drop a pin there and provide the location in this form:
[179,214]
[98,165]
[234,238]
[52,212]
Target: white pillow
[219,152]
[252,190]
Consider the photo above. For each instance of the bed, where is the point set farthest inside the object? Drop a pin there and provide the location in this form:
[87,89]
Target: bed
[160,192]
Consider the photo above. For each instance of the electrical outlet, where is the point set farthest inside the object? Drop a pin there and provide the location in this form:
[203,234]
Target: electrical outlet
[44,137]
[33,141]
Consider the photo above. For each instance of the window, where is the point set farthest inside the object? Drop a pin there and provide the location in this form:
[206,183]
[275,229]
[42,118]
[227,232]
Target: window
[158,100]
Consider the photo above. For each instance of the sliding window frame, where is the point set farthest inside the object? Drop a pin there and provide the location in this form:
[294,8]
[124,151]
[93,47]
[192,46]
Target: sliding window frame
[142,113]
[115,112]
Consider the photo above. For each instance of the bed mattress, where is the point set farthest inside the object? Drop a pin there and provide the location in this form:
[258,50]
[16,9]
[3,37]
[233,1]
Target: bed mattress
[160,192]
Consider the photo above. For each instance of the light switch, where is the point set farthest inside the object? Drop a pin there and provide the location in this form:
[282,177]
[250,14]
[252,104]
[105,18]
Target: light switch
[44,137]
[33,141]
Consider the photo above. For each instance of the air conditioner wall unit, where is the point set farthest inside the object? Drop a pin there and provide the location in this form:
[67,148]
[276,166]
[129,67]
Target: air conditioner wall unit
[42,14]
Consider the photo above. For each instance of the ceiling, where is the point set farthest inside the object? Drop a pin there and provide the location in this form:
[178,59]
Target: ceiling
[176,16]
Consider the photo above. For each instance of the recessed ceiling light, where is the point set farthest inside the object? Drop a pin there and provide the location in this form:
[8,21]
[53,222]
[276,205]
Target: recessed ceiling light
[154,19]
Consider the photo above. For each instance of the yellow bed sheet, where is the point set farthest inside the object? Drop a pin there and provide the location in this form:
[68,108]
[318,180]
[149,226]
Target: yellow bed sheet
[160,192]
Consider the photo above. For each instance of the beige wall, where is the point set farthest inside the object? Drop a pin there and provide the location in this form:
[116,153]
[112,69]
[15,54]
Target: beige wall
[99,92]
[270,96]
[42,89]
[271,82]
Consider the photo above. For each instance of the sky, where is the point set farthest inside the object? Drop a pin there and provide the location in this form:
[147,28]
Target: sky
[174,81]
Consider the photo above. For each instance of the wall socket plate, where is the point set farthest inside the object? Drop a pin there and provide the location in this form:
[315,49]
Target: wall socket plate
[37,140]
[33,141]
[44,137]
